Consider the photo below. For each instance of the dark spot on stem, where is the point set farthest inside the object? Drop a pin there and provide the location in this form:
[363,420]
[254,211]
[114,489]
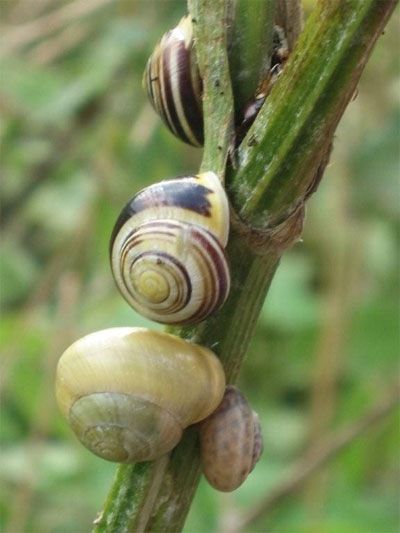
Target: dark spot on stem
[252,141]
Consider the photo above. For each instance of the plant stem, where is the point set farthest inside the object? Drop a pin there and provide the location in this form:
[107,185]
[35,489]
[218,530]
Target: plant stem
[281,153]
[250,47]
[277,163]
[209,18]
[227,333]
[134,489]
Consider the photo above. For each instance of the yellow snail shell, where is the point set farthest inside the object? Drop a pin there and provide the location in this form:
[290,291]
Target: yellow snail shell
[167,249]
[128,393]
[231,442]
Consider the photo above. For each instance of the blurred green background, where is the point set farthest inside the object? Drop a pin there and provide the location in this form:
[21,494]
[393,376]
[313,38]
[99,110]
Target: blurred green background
[78,140]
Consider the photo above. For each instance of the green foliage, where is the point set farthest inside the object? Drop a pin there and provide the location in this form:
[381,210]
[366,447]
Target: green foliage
[79,139]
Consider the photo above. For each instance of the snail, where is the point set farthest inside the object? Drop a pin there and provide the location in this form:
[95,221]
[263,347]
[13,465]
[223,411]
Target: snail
[230,441]
[173,83]
[174,86]
[167,249]
[128,393]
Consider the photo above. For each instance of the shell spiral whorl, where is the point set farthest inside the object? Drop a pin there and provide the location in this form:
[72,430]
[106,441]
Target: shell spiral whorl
[167,249]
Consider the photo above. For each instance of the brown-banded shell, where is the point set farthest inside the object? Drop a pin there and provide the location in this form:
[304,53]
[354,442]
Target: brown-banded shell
[173,83]
[167,249]
[128,393]
[231,442]
[174,87]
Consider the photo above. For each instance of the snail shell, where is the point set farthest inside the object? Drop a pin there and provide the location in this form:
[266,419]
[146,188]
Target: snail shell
[231,442]
[128,393]
[173,83]
[174,86]
[167,249]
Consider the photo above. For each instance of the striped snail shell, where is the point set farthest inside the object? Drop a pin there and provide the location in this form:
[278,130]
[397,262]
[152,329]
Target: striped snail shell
[174,87]
[231,442]
[167,249]
[173,84]
[128,393]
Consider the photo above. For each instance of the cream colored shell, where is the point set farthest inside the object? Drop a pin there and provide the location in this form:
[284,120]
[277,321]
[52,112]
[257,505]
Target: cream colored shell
[167,249]
[111,380]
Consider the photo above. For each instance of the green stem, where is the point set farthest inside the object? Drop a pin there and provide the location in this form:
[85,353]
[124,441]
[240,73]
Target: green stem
[281,152]
[250,47]
[131,497]
[228,333]
[277,162]
[209,18]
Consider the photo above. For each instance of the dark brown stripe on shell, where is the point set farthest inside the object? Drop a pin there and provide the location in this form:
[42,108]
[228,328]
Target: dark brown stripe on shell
[144,199]
[220,262]
[189,196]
[174,193]
[158,82]
[136,237]
[190,104]
[210,289]
[182,57]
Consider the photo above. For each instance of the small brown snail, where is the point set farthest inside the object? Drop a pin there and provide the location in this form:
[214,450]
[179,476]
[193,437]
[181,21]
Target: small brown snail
[173,83]
[231,442]
[128,393]
[167,249]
